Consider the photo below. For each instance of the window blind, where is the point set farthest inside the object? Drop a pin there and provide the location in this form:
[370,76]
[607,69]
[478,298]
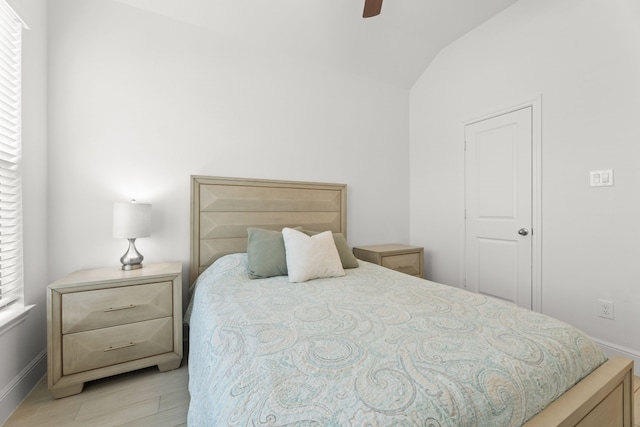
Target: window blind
[11,270]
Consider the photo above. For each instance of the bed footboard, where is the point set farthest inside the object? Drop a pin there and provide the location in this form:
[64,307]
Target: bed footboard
[602,399]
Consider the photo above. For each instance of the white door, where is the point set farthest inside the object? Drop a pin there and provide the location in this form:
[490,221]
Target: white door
[498,207]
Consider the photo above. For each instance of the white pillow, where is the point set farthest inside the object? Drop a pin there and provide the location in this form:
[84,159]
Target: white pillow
[311,257]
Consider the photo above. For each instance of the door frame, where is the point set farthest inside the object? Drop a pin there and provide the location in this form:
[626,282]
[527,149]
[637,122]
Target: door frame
[536,194]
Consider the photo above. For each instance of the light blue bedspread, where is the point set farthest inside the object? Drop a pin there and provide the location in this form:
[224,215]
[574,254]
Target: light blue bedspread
[373,348]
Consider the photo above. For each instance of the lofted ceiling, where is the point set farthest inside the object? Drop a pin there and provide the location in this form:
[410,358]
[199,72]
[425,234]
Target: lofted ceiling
[394,47]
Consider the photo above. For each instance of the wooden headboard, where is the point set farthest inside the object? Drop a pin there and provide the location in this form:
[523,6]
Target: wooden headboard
[223,208]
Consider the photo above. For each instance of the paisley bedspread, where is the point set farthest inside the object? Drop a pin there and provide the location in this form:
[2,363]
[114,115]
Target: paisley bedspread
[373,348]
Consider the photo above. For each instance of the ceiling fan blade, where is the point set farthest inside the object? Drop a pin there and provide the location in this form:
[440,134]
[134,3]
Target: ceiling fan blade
[372,8]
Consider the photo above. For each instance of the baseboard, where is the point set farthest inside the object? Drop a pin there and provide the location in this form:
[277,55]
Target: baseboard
[611,349]
[15,392]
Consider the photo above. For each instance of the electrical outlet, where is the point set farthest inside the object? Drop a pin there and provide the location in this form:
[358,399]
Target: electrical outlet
[605,309]
[601,178]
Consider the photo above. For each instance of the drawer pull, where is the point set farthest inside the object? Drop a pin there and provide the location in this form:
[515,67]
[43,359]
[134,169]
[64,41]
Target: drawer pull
[117,347]
[124,307]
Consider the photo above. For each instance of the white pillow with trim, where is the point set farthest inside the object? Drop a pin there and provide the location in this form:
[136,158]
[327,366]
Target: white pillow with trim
[311,257]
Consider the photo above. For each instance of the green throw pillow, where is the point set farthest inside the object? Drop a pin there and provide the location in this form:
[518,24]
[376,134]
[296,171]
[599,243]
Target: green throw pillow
[266,253]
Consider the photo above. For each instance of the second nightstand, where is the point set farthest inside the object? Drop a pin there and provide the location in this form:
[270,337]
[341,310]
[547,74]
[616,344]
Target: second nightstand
[404,258]
[107,321]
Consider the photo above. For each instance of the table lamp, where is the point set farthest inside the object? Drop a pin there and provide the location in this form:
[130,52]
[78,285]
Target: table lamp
[131,221]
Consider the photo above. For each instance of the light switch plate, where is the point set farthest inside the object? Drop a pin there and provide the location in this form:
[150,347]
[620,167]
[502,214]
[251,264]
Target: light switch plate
[601,178]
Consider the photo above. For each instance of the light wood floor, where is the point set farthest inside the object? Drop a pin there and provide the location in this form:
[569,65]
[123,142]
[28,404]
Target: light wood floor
[142,398]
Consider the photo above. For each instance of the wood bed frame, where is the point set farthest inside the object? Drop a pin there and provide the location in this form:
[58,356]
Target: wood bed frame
[223,208]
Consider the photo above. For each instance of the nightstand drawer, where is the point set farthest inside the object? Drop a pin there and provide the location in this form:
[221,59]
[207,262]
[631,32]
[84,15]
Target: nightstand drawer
[84,311]
[84,351]
[406,263]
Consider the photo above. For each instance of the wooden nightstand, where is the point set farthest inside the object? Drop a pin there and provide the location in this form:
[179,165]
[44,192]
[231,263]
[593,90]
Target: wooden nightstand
[107,321]
[403,258]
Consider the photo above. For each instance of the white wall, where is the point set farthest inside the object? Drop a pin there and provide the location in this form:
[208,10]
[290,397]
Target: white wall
[139,102]
[23,348]
[583,57]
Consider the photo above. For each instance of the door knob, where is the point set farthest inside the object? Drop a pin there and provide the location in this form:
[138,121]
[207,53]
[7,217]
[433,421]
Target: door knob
[523,232]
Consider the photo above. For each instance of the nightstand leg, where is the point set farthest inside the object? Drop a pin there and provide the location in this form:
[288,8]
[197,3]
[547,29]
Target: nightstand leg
[67,391]
[169,366]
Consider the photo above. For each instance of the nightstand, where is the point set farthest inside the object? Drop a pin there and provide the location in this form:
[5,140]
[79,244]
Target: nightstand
[403,258]
[107,321]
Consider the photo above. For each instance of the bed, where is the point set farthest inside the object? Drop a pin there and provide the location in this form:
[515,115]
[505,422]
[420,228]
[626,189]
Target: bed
[371,347]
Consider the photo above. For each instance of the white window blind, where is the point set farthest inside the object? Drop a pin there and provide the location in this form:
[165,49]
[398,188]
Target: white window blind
[11,270]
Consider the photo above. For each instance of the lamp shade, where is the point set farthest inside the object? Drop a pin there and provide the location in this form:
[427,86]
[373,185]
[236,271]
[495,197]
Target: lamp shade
[131,220]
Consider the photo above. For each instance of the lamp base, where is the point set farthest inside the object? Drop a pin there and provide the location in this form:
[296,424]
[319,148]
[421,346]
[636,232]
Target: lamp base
[132,259]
